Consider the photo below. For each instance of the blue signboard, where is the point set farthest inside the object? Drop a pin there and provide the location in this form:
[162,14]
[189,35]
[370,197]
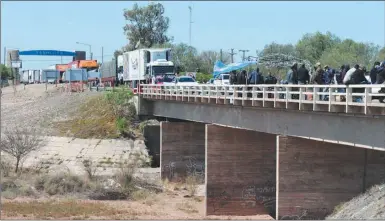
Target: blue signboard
[47,53]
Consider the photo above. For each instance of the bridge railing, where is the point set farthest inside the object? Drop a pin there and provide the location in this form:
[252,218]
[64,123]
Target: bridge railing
[332,98]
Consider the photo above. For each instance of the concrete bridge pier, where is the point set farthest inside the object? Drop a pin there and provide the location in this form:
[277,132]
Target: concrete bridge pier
[240,172]
[315,176]
[182,151]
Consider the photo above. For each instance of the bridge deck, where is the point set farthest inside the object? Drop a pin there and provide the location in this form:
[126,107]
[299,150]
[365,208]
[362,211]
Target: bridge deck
[325,98]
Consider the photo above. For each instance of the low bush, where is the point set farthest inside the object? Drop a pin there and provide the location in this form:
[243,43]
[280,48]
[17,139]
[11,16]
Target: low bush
[5,167]
[61,184]
[192,184]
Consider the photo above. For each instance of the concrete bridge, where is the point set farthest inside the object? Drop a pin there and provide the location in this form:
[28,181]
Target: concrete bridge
[276,149]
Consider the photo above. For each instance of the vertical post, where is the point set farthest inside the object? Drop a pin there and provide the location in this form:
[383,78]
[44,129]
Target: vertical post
[90,52]
[82,81]
[221,54]
[232,55]
[5,54]
[190,25]
[69,79]
[102,55]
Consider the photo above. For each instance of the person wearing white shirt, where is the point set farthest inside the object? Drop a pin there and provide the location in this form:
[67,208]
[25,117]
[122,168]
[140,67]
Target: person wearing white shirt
[349,73]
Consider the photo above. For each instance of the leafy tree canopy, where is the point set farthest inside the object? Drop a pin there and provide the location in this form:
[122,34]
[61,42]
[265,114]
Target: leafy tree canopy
[5,71]
[146,26]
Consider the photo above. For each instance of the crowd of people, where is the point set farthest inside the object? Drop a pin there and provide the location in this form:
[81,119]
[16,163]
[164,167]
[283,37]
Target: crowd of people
[300,75]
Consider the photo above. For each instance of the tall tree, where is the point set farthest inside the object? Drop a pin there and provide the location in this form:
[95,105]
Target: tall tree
[275,48]
[312,46]
[381,55]
[186,57]
[208,59]
[146,25]
[350,52]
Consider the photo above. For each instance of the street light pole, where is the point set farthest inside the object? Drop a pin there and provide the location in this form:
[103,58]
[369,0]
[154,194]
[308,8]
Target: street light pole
[88,46]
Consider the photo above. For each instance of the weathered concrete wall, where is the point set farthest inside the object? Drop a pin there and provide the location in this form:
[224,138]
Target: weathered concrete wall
[151,134]
[349,128]
[375,168]
[240,171]
[316,176]
[182,150]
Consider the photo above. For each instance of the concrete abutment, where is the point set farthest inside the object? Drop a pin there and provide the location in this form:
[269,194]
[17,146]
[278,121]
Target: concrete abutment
[240,172]
[254,173]
[315,177]
[182,150]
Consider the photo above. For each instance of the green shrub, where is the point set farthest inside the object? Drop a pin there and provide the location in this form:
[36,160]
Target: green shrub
[121,124]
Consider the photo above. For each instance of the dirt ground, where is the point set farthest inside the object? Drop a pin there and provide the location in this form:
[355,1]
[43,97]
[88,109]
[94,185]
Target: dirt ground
[168,205]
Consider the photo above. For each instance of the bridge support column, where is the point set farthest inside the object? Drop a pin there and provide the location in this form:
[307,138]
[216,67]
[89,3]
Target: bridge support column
[240,172]
[182,150]
[316,176]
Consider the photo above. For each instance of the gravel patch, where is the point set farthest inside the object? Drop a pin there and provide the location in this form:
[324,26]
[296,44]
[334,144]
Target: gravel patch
[369,205]
[36,107]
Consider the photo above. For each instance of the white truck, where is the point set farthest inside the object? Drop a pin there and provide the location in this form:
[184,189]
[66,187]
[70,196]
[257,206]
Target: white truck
[145,64]
[33,76]
[222,79]
[24,76]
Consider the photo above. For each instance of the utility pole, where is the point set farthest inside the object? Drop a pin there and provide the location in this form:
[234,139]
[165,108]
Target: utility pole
[232,55]
[221,55]
[189,7]
[5,54]
[243,53]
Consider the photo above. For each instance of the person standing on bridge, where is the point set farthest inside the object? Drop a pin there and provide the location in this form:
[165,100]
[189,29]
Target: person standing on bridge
[373,72]
[303,75]
[233,77]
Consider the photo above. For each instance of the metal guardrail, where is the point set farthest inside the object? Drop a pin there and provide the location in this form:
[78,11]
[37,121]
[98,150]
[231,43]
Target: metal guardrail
[360,99]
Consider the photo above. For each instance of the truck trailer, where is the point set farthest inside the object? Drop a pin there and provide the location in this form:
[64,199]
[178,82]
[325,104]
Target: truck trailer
[24,76]
[142,65]
[108,71]
[49,76]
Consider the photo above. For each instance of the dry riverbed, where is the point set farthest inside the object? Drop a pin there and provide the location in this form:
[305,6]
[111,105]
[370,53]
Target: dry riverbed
[70,178]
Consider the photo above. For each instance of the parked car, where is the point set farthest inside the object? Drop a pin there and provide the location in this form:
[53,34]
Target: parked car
[185,81]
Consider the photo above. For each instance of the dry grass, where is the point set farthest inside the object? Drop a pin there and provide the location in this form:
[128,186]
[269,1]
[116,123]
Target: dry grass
[61,184]
[94,119]
[187,207]
[109,115]
[192,185]
[57,209]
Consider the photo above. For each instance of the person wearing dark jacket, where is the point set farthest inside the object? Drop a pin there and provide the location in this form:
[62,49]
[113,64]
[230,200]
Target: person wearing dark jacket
[303,75]
[241,79]
[233,77]
[373,72]
[358,77]
[343,73]
[380,79]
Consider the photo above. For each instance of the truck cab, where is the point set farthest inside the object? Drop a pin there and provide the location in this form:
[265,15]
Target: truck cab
[159,68]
